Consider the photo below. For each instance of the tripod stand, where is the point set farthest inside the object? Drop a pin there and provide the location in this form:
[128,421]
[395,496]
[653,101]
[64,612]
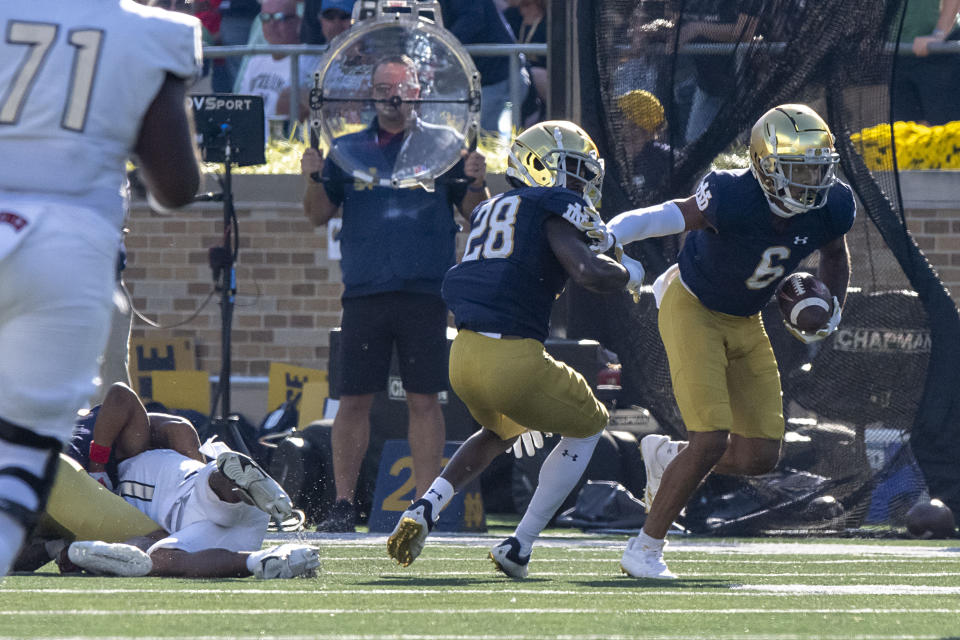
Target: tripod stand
[230,129]
[223,264]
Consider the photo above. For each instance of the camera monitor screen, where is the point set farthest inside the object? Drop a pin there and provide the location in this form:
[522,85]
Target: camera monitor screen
[225,116]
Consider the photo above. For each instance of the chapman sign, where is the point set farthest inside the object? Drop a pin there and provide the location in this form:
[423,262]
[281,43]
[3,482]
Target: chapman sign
[867,340]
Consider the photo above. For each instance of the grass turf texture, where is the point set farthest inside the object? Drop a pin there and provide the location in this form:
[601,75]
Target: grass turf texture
[761,589]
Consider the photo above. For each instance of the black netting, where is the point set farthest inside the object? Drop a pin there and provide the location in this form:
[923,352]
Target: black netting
[873,415]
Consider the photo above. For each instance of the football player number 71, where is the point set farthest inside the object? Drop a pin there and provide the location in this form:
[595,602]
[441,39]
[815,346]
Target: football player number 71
[39,37]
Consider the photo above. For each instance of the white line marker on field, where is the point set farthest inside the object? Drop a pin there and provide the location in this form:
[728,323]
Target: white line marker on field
[455,612]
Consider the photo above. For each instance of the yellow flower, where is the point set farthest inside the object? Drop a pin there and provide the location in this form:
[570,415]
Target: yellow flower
[918,146]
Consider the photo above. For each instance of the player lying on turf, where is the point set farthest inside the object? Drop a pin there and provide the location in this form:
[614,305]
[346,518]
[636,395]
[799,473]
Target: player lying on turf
[523,245]
[748,230]
[178,515]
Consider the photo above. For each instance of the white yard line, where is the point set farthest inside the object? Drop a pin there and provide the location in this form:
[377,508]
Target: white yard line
[457,612]
[677,545]
[686,574]
[406,636]
[430,557]
[742,590]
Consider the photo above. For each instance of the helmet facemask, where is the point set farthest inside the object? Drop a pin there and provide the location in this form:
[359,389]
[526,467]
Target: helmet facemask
[578,172]
[792,156]
[796,184]
[559,167]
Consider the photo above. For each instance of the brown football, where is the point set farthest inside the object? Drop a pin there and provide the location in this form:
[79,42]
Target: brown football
[930,519]
[805,301]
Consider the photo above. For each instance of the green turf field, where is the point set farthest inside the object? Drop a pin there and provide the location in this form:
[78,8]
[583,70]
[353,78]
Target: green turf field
[729,589]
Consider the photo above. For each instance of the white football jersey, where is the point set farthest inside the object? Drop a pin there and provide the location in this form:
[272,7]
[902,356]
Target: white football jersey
[160,483]
[76,78]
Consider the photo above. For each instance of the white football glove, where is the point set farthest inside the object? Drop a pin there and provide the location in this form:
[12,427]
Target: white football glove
[600,237]
[823,332]
[102,478]
[635,269]
[527,444]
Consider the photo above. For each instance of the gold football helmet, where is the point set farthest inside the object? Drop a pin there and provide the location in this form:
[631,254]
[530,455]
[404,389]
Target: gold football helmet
[793,158]
[557,153]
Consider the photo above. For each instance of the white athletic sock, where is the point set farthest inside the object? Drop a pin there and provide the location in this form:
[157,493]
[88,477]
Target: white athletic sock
[438,495]
[254,558]
[650,542]
[11,538]
[559,474]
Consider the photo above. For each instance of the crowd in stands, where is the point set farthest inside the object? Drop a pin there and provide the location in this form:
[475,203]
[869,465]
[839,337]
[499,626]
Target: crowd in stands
[317,22]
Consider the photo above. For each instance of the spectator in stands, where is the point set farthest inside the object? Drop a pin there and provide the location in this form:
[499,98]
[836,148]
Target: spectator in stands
[711,21]
[269,76]
[480,22]
[642,51]
[650,157]
[325,19]
[396,246]
[528,19]
[236,21]
[926,88]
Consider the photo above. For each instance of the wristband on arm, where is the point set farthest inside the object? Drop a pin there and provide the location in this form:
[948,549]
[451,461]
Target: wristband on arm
[99,453]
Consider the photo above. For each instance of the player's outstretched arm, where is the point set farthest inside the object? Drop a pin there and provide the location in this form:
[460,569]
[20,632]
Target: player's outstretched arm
[121,425]
[591,271]
[168,154]
[667,218]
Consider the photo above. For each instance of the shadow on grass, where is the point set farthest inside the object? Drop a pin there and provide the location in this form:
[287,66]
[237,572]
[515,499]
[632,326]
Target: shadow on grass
[652,583]
[427,581]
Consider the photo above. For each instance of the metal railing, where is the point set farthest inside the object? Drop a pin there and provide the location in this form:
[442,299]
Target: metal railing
[294,51]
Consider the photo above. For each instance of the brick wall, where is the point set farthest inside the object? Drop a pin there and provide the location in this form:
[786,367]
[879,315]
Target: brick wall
[288,290]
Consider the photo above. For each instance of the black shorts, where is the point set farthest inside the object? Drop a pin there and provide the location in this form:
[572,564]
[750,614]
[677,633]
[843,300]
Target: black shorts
[415,322]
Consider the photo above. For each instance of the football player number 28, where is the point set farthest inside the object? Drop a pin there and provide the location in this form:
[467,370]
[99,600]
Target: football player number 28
[493,229]
[39,37]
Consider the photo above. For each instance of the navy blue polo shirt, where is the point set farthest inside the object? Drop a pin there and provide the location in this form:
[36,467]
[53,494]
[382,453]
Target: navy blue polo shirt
[392,239]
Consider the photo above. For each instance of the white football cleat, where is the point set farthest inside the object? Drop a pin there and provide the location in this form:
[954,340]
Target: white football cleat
[285,561]
[657,452]
[255,484]
[110,559]
[408,537]
[506,557]
[640,561]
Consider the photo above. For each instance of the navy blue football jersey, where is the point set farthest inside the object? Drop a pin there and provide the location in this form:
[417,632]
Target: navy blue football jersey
[735,267]
[78,447]
[509,278]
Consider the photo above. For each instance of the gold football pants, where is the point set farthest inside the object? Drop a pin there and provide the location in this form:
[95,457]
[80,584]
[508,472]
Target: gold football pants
[510,386]
[723,370]
[80,508]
